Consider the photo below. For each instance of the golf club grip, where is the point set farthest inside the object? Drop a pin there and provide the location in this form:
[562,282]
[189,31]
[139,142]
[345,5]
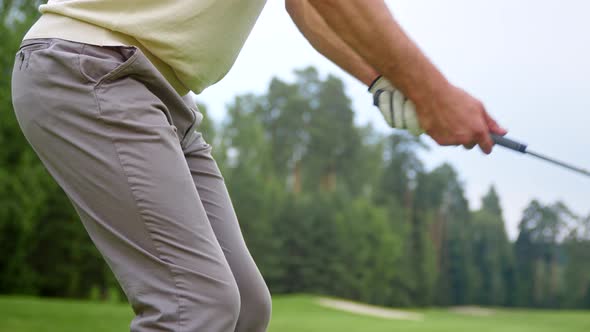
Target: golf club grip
[508,143]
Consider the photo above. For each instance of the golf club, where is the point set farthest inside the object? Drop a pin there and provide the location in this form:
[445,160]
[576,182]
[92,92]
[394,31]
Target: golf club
[522,148]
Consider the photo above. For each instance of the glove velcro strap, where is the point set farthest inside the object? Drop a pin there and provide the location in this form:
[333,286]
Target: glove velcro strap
[404,124]
[392,110]
[377,102]
[376,97]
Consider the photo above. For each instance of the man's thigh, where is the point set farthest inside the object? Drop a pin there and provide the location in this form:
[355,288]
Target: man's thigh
[120,161]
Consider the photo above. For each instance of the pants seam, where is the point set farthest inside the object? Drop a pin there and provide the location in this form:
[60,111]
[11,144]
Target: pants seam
[143,221]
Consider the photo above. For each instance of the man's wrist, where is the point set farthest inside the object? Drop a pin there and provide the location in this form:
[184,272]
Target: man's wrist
[427,91]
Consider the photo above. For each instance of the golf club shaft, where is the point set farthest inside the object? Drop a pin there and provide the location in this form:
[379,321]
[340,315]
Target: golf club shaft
[522,148]
[559,163]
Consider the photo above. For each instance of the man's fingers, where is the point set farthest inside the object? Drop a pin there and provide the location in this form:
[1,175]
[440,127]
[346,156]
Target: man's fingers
[468,146]
[481,133]
[484,140]
[493,126]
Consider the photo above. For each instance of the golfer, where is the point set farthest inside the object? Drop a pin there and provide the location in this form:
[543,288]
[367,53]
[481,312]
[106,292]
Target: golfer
[100,92]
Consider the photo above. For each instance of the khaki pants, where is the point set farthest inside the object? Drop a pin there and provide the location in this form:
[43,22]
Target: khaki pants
[123,146]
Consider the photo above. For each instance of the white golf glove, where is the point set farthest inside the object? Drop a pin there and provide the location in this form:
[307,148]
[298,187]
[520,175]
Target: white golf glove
[398,111]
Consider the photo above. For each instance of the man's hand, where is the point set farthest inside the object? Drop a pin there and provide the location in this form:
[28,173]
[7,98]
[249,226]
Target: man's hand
[453,117]
[399,112]
[445,127]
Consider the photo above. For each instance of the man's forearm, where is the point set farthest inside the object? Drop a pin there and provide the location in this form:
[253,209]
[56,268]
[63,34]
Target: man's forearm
[369,29]
[327,42]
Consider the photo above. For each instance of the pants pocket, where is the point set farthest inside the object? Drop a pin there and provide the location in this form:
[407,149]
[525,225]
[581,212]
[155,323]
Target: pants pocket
[98,64]
[26,51]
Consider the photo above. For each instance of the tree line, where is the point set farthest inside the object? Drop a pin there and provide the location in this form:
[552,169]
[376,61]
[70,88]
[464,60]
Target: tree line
[326,207]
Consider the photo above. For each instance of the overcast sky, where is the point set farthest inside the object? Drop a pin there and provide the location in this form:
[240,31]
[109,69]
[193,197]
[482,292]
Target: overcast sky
[527,60]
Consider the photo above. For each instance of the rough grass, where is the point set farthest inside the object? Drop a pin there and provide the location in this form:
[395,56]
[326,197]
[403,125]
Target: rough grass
[290,314]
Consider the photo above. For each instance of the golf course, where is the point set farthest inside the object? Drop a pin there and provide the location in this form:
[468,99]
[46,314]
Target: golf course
[299,313]
[294,166]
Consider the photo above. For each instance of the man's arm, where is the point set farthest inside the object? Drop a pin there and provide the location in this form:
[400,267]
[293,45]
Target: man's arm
[448,114]
[327,42]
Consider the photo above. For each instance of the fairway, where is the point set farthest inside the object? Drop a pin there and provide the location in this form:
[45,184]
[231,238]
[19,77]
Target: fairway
[290,314]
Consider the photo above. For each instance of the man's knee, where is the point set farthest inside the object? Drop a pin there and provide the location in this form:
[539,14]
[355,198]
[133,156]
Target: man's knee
[194,307]
[255,312]
[226,304]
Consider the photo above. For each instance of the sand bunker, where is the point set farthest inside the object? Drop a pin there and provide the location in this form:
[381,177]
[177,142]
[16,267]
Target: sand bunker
[473,311]
[369,310]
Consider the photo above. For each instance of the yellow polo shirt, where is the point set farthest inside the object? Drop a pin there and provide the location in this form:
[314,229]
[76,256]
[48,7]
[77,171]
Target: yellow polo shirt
[193,43]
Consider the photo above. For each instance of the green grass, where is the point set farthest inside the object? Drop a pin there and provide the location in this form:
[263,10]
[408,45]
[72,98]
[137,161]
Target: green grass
[290,314]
